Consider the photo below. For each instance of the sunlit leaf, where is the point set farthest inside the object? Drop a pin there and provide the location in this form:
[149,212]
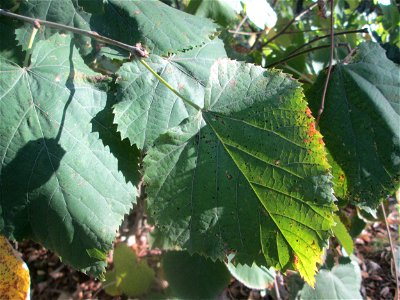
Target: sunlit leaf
[248,173]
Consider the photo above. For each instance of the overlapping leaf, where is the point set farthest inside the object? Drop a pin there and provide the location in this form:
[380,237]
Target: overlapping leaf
[254,277]
[147,108]
[247,173]
[59,185]
[8,45]
[361,125]
[64,12]
[222,11]
[129,21]
[150,23]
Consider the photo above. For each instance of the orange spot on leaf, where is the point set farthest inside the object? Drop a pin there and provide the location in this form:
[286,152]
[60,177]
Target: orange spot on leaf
[308,112]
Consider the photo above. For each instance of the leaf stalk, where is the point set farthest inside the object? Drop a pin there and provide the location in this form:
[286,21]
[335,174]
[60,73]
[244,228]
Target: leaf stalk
[162,80]
[28,53]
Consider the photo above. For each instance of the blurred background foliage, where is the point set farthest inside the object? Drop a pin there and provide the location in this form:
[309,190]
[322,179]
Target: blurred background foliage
[293,26]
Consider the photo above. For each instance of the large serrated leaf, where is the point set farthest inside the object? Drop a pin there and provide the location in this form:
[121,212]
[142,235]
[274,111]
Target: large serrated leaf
[58,184]
[361,125]
[146,108]
[159,27]
[249,167]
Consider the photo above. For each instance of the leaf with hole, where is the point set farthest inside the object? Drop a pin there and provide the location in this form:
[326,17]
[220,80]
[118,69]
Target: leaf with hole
[248,172]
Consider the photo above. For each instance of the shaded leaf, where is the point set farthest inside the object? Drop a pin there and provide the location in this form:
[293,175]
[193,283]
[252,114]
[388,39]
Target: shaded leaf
[58,184]
[8,45]
[249,167]
[221,11]
[361,124]
[193,276]
[130,275]
[14,274]
[149,22]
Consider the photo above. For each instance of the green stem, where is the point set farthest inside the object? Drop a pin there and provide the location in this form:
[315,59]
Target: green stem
[29,49]
[162,80]
[138,50]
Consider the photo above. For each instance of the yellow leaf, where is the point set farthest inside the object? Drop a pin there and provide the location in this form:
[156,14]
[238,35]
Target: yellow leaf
[14,274]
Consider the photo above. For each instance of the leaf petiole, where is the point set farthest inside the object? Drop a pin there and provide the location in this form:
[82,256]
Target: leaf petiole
[35,29]
[164,82]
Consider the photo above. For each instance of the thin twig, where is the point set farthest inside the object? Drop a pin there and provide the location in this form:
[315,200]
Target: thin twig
[287,58]
[364,30]
[282,31]
[239,26]
[321,109]
[396,272]
[137,50]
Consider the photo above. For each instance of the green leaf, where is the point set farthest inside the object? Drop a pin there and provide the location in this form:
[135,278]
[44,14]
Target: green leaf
[361,124]
[254,277]
[343,235]
[193,276]
[59,11]
[8,45]
[159,27]
[342,282]
[58,184]
[146,108]
[221,11]
[249,167]
[131,276]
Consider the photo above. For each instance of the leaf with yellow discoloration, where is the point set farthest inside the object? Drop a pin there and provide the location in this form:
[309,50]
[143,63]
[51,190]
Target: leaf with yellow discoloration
[14,274]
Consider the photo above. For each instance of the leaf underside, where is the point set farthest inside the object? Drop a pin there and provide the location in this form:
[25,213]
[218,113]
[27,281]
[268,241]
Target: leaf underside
[248,173]
[59,185]
[361,123]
